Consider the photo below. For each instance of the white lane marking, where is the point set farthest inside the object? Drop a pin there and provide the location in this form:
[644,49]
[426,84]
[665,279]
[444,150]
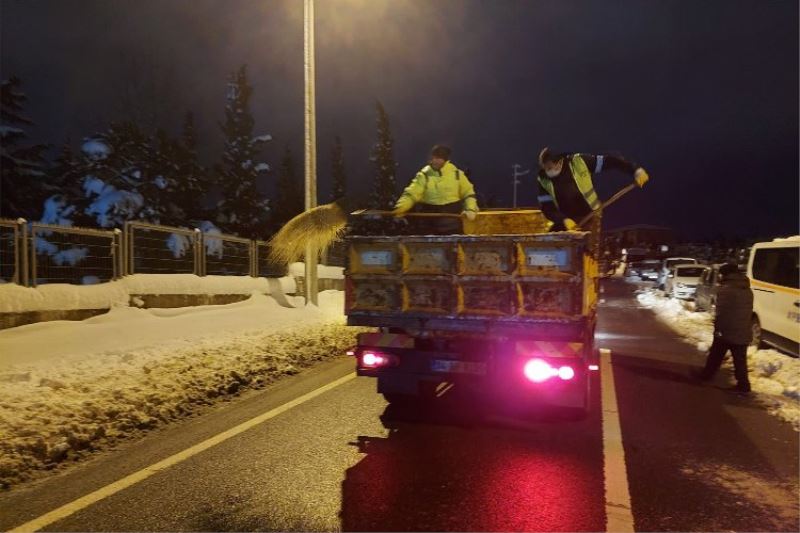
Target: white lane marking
[81,503]
[619,517]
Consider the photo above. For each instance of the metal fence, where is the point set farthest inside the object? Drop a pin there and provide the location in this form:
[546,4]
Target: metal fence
[262,266]
[226,255]
[153,249]
[13,251]
[34,253]
[60,254]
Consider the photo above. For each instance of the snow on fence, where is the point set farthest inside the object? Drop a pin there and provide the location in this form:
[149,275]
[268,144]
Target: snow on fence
[60,254]
[154,249]
[13,251]
[226,255]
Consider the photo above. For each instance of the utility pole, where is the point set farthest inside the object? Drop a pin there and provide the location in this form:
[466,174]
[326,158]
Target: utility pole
[516,172]
[311,285]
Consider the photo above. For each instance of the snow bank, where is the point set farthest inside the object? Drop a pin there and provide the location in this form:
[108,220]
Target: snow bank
[297,270]
[774,376]
[133,369]
[57,296]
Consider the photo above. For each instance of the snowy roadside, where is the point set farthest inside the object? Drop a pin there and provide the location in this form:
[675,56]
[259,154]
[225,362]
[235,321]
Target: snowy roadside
[106,386]
[775,377]
[62,296]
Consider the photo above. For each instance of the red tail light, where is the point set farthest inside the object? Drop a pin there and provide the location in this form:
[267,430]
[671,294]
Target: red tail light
[372,359]
[539,371]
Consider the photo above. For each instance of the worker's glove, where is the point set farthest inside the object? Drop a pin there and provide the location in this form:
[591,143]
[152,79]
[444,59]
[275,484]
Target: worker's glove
[641,177]
[570,224]
[469,215]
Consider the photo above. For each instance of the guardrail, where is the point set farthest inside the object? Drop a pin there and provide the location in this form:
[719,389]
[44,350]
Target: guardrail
[155,249]
[36,253]
[60,254]
[14,251]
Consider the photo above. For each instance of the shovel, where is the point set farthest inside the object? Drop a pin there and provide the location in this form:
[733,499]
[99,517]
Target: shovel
[619,194]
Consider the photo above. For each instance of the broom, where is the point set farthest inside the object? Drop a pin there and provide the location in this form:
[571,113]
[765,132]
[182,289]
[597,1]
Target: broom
[318,227]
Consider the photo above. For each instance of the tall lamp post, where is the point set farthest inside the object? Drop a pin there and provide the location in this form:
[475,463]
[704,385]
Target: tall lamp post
[311,285]
[516,173]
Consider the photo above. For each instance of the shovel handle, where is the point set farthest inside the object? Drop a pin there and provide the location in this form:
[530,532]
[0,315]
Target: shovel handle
[619,194]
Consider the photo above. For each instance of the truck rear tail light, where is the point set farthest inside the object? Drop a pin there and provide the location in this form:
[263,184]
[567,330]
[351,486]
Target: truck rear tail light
[566,372]
[539,371]
[371,359]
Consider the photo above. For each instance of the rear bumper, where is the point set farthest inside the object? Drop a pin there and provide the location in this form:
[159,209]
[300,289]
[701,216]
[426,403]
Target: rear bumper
[503,377]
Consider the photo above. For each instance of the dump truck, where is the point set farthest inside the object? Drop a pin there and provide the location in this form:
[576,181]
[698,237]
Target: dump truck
[499,305]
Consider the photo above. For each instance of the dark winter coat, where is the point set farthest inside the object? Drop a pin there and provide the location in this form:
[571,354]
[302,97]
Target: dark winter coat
[734,310]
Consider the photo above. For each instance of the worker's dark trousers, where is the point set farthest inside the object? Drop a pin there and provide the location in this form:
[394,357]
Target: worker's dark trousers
[717,353]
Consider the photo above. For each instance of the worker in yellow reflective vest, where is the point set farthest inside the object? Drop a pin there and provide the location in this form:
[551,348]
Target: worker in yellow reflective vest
[566,191]
[440,187]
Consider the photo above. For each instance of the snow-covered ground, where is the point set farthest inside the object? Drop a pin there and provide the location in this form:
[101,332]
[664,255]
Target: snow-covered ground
[61,296]
[774,376]
[67,388]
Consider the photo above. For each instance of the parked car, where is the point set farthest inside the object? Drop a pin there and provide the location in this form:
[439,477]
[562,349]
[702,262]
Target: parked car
[705,298]
[682,280]
[667,264]
[774,272]
[646,270]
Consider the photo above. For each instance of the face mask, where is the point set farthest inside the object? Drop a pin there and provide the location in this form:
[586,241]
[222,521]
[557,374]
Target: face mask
[552,173]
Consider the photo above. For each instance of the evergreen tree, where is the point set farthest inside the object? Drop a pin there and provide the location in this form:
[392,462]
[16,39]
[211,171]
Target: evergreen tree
[115,167]
[384,185]
[289,200]
[191,178]
[243,209]
[66,174]
[23,169]
[337,170]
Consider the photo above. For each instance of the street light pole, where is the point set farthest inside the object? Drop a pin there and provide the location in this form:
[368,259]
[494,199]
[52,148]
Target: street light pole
[311,285]
[516,173]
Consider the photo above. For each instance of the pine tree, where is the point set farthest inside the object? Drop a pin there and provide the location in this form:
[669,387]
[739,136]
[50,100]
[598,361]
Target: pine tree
[66,174]
[243,209]
[289,200]
[115,165]
[23,169]
[337,170]
[385,185]
[191,178]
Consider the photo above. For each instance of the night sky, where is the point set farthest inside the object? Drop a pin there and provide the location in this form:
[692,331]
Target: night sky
[704,95]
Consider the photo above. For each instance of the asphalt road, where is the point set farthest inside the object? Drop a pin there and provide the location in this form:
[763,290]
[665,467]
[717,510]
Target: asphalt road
[697,458]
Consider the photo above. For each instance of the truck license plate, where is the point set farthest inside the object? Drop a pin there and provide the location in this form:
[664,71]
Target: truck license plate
[458,367]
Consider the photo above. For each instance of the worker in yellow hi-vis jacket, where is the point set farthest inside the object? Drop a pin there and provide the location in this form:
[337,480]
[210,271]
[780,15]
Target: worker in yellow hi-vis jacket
[440,187]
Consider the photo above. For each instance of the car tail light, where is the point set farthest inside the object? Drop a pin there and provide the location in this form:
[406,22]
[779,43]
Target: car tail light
[566,372]
[594,367]
[371,359]
[538,371]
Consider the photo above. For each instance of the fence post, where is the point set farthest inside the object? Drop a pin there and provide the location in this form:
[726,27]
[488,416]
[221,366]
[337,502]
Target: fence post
[34,266]
[21,252]
[116,253]
[253,259]
[199,253]
[128,243]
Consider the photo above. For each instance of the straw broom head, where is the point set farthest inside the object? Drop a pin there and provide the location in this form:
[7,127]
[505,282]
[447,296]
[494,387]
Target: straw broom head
[319,228]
